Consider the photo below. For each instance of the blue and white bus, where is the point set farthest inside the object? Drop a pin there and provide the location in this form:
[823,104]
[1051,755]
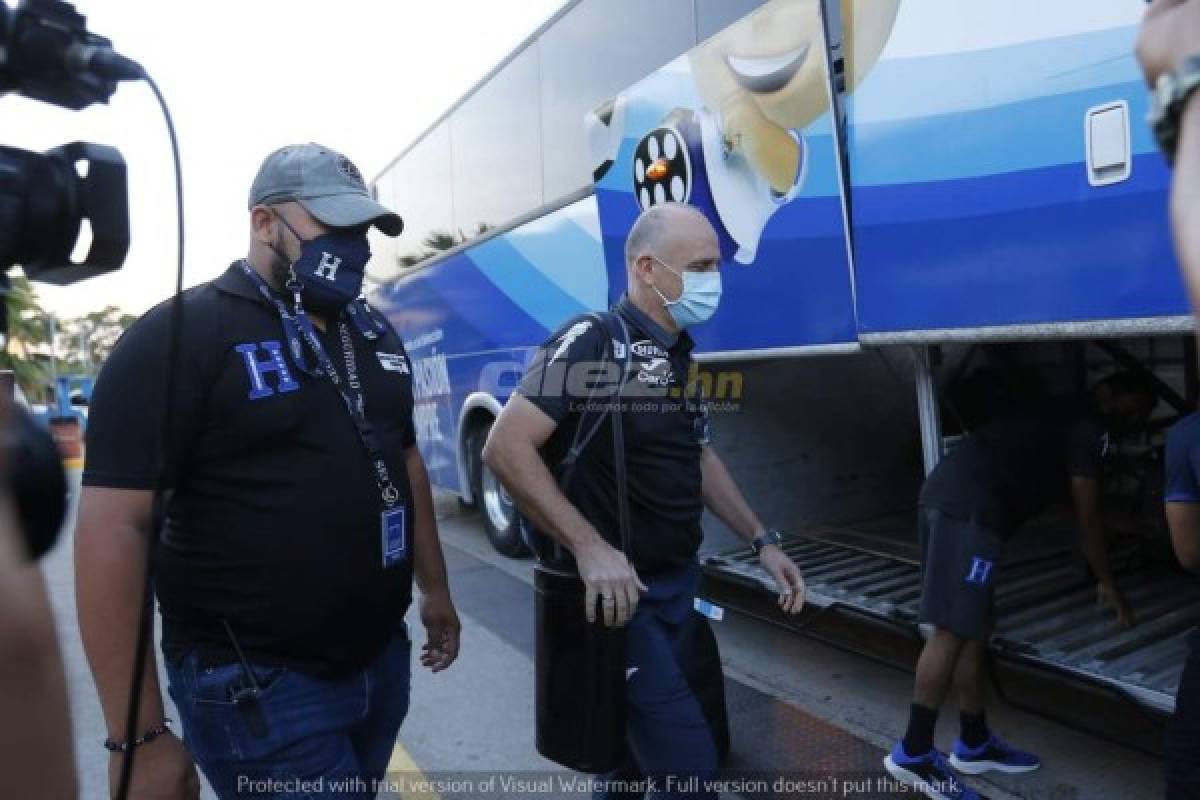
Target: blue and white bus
[910,194]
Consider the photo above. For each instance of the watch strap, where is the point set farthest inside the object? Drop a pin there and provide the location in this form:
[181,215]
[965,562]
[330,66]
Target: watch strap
[1170,97]
[768,537]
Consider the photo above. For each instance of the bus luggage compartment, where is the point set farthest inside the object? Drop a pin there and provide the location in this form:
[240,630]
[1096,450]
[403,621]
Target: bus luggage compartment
[1063,656]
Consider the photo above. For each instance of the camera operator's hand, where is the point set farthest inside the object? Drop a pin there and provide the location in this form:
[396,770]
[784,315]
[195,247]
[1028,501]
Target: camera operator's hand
[1170,33]
[162,770]
[610,578]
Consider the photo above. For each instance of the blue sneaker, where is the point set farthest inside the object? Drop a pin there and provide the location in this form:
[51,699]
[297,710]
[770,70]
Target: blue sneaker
[928,774]
[992,754]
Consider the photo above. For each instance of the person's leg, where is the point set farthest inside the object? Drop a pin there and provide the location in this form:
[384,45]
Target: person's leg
[388,696]
[969,684]
[292,743]
[669,737]
[948,608]
[1182,757]
[935,672]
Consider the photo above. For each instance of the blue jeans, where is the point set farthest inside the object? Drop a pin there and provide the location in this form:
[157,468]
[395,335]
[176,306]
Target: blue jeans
[310,738]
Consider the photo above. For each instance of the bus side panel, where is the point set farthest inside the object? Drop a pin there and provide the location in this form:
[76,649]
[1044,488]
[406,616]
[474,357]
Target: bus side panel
[742,127]
[470,320]
[972,202]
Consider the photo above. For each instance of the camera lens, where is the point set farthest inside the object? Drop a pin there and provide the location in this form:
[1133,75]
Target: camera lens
[38,483]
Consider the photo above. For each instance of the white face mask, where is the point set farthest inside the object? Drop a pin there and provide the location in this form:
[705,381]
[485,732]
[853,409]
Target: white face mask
[699,299]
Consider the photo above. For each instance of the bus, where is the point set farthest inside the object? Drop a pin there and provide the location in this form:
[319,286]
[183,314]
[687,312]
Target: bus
[921,205]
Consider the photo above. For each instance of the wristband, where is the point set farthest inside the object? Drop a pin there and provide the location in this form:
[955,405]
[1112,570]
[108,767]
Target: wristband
[148,736]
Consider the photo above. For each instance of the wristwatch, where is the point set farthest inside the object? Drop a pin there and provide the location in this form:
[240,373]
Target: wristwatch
[771,536]
[1167,101]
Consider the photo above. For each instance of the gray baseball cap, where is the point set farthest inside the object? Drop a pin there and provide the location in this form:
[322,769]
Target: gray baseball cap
[326,183]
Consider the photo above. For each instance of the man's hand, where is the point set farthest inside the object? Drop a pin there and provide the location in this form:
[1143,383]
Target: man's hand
[1109,596]
[609,576]
[162,770]
[1170,33]
[442,630]
[787,575]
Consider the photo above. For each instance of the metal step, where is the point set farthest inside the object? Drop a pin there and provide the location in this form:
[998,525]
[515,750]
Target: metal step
[1046,612]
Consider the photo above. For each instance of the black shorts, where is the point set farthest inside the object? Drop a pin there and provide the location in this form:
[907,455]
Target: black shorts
[959,561]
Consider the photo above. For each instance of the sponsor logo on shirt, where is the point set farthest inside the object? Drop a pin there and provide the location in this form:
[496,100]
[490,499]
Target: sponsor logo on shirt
[576,330]
[647,349]
[656,372]
[394,362]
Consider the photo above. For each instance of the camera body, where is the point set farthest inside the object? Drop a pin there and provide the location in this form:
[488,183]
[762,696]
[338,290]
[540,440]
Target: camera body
[47,202]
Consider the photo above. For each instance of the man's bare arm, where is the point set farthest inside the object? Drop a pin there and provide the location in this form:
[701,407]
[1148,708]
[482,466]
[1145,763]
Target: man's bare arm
[1085,493]
[511,452]
[111,540]
[429,563]
[723,497]
[1183,520]
[1170,34]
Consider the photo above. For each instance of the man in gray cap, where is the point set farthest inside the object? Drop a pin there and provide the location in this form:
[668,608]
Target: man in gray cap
[298,513]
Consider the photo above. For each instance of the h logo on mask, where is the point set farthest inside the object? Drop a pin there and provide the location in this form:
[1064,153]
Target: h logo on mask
[258,370]
[328,266]
[981,570]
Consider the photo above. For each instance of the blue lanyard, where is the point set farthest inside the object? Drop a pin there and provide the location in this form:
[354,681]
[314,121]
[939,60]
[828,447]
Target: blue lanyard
[299,330]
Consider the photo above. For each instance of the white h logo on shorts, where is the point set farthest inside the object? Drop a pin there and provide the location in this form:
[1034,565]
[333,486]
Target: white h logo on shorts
[328,267]
[980,570]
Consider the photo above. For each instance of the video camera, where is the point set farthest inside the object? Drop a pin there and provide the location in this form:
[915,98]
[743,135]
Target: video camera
[48,200]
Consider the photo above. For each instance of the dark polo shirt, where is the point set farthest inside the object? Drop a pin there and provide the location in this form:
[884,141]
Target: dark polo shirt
[665,432]
[273,523]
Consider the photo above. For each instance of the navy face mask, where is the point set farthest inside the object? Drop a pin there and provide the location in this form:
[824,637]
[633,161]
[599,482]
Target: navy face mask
[330,268]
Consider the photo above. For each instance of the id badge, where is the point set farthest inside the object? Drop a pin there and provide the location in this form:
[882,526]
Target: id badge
[392,536]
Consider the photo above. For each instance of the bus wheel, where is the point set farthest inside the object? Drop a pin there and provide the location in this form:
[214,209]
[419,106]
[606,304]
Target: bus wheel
[496,506]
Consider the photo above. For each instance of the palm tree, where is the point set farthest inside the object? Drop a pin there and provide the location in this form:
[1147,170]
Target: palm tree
[439,242]
[26,329]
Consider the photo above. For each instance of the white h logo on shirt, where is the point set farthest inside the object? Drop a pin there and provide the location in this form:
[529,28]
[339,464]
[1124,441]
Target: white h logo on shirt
[328,267]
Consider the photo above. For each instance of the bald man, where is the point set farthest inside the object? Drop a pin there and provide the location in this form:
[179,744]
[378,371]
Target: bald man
[674,473]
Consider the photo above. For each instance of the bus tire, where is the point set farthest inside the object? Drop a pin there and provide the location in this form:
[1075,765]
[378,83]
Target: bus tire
[496,507]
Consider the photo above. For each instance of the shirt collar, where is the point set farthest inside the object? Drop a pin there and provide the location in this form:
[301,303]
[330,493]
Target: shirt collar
[234,281]
[642,321]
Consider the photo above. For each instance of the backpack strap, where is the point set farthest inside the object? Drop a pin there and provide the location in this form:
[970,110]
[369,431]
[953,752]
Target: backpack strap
[591,420]
[618,429]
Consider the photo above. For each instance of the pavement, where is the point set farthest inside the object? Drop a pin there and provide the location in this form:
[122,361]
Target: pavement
[801,711]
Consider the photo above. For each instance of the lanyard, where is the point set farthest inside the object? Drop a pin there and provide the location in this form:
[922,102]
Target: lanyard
[299,330]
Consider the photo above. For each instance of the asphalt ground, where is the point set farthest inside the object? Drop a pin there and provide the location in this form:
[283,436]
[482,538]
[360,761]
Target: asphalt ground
[807,720]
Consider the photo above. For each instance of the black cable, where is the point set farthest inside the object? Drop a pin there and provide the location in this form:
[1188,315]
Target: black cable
[146,620]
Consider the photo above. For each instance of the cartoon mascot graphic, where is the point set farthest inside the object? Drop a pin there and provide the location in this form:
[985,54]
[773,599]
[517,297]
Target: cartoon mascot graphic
[762,81]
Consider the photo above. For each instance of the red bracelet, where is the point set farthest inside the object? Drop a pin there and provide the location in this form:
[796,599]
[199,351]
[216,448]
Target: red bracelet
[148,736]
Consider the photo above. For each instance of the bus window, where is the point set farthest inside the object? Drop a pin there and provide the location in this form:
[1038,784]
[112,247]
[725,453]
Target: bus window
[420,186]
[590,55]
[497,149]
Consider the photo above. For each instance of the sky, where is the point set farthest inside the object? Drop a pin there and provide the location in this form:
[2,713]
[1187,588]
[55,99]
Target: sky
[242,78]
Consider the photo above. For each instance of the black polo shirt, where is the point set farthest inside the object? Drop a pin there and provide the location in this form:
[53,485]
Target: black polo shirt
[1016,466]
[665,430]
[274,519]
